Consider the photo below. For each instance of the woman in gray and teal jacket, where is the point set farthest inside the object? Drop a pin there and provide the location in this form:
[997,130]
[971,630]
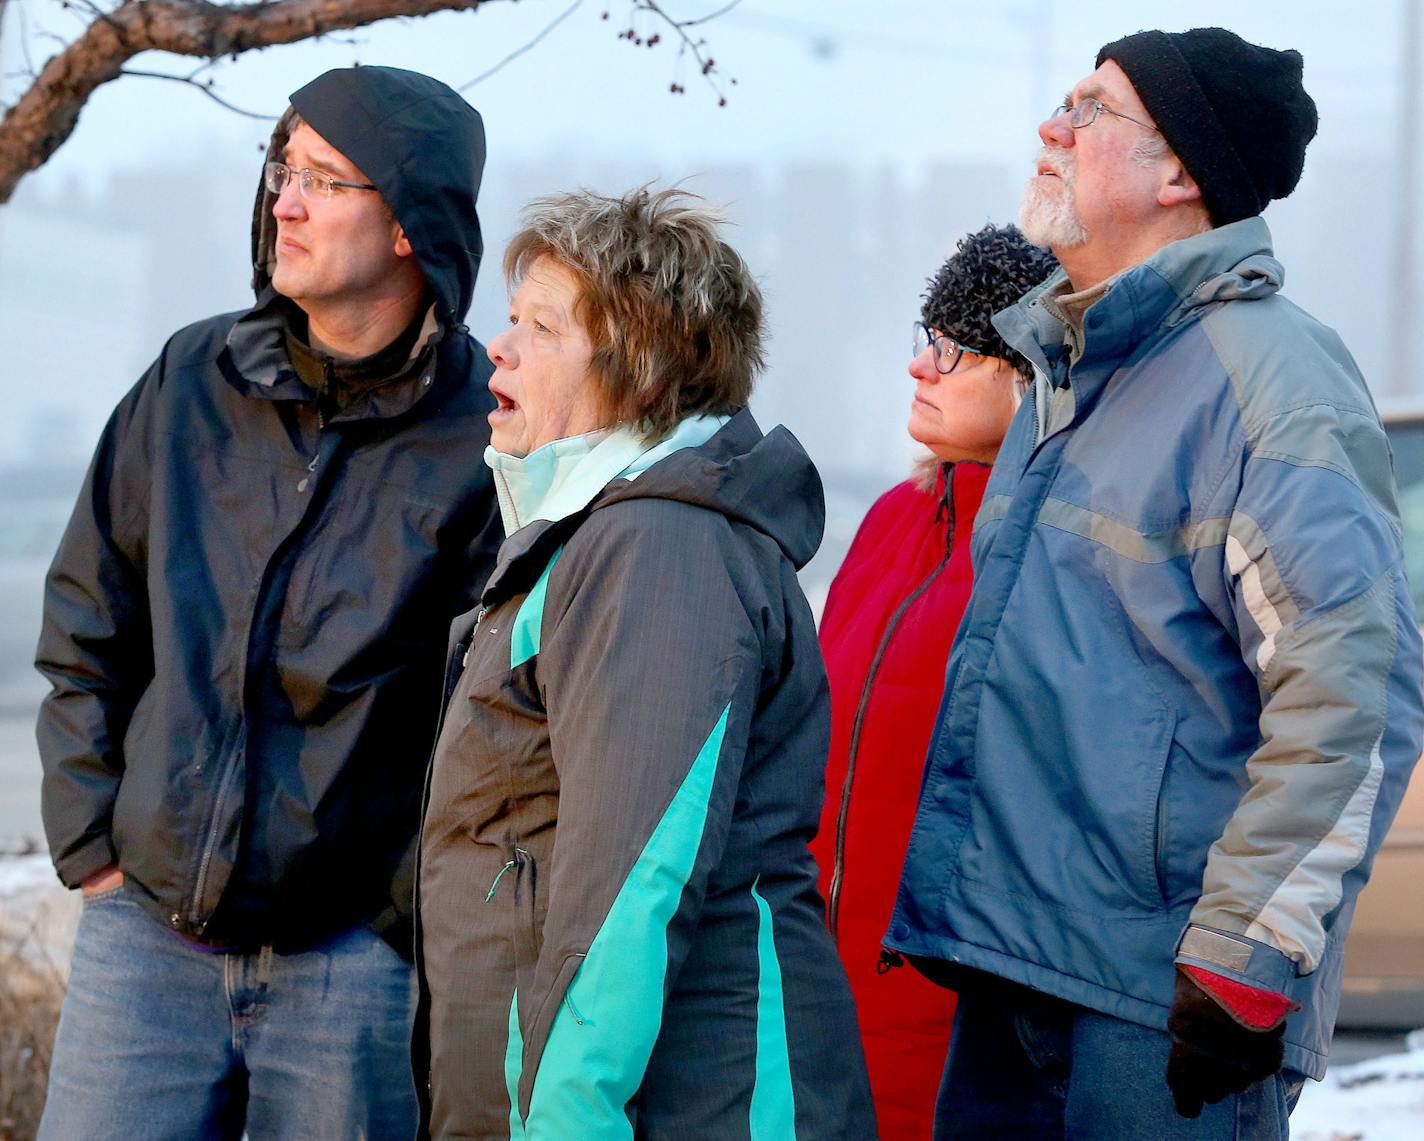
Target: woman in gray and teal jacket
[620,933]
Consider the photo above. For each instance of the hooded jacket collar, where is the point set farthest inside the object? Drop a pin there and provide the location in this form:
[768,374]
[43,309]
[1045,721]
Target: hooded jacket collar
[561,478]
[766,482]
[1228,263]
[261,366]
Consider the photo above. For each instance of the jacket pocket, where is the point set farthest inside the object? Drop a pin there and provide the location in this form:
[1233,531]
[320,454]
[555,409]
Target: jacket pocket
[1160,848]
[518,877]
[555,1003]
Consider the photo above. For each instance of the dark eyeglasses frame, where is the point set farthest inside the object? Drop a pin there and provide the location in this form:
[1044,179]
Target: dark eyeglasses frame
[945,348]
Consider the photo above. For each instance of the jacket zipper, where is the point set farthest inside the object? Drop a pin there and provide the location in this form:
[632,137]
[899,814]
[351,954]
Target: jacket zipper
[195,918]
[454,667]
[195,913]
[320,424]
[843,816]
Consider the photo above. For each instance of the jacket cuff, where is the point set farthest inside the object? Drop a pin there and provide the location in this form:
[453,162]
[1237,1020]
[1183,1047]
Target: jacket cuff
[1250,1006]
[83,862]
[1246,961]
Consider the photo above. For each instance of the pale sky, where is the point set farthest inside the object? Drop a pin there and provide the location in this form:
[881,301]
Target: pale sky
[897,82]
[895,92]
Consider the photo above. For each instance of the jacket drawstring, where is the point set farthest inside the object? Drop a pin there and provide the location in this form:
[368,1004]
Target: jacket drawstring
[889,960]
[514,863]
[833,903]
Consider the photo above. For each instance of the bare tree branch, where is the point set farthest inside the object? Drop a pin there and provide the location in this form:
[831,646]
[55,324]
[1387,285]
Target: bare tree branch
[25,40]
[722,11]
[90,7]
[117,30]
[202,87]
[559,19]
[46,114]
[705,63]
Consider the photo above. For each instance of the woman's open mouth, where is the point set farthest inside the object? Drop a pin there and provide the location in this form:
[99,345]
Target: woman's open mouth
[504,404]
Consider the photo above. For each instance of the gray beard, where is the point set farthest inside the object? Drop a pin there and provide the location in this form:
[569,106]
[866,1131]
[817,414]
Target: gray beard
[1050,220]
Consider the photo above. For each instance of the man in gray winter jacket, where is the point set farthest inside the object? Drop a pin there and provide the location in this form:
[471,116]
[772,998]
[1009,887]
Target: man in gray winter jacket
[1185,700]
[244,631]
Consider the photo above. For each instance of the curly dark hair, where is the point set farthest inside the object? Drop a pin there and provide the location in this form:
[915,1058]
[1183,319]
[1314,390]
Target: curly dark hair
[988,271]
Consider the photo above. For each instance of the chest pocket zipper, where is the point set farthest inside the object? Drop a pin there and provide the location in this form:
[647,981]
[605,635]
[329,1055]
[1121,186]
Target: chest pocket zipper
[522,922]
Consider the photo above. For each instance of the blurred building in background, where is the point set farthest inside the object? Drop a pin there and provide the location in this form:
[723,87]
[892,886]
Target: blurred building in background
[857,147]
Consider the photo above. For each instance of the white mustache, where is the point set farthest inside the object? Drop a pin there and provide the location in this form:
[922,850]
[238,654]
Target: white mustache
[1062,161]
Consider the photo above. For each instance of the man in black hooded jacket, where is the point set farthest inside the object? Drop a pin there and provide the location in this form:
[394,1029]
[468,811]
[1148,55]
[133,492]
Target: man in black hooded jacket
[244,631]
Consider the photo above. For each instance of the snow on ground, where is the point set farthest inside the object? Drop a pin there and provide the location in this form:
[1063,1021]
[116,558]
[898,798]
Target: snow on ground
[37,914]
[1378,1100]
[1381,1099]
[22,874]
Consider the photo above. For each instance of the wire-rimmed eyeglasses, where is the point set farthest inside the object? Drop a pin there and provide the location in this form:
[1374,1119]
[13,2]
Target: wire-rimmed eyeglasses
[312,184]
[1085,112]
[947,351]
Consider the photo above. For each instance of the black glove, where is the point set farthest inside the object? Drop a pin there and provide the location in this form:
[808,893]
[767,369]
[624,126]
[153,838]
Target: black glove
[1216,1052]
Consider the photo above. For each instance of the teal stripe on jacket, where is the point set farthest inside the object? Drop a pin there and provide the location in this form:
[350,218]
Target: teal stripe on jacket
[529,621]
[773,1111]
[513,1066]
[593,1064]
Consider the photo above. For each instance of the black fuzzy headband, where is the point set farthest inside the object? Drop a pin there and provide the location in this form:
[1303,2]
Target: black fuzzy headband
[988,271]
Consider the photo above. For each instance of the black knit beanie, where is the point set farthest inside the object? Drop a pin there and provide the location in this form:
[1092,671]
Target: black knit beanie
[988,271]
[1235,113]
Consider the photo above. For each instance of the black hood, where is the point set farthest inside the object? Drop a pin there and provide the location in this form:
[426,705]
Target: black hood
[765,481]
[421,145]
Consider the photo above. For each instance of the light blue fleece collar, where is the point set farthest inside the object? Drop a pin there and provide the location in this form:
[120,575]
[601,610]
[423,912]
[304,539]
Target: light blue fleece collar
[554,481]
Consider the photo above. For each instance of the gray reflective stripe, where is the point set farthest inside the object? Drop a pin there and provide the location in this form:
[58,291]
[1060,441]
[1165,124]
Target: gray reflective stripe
[1291,919]
[1157,547]
[1268,602]
[1258,602]
[993,509]
[1214,947]
[1319,767]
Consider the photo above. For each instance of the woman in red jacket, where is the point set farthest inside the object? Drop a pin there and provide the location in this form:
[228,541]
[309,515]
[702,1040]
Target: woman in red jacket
[889,620]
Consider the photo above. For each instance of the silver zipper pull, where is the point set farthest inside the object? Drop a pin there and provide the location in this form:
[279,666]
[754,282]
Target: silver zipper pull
[479,617]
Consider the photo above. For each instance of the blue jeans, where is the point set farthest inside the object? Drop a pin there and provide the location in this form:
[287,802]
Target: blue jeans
[1027,1065]
[158,1039]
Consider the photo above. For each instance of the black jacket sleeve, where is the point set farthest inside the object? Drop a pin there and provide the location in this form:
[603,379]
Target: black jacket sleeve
[96,646]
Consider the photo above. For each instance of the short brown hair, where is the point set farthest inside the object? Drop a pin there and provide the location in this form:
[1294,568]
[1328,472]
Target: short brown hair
[673,312]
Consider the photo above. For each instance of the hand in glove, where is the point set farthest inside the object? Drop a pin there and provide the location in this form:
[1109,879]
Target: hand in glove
[1226,1036]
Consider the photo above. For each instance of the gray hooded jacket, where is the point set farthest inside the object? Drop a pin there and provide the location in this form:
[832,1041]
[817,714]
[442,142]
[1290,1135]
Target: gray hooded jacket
[620,931]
